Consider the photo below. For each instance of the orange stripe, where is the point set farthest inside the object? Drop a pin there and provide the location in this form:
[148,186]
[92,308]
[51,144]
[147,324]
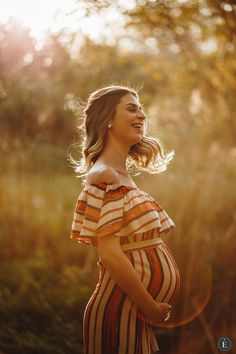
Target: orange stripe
[113,298]
[108,212]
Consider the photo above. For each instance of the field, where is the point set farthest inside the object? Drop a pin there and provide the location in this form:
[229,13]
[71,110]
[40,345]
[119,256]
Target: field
[46,278]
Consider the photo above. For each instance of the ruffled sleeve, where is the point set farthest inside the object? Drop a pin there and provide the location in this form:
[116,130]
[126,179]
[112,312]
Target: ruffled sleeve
[114,209]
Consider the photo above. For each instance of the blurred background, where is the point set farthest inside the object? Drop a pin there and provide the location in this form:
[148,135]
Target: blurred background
[52,55]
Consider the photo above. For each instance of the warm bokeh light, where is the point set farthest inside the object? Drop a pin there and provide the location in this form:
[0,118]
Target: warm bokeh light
[38,16]
[181,58]
[54,15]
[195,293]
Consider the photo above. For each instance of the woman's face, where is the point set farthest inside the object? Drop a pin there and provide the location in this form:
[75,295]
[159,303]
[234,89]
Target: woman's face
[128,114]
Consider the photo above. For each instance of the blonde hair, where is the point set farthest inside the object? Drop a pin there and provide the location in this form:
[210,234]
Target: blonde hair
[147,155]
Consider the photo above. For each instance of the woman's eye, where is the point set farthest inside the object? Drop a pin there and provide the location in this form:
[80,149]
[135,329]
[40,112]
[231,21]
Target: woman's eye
[132,110]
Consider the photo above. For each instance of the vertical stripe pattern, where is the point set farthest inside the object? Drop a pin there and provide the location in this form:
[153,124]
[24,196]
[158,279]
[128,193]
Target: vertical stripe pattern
[112,323]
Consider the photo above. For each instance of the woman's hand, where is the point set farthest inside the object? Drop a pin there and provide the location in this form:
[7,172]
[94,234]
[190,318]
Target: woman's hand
[124,274]
[159,314]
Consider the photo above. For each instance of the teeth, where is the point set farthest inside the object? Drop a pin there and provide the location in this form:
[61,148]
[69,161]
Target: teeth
[137,125]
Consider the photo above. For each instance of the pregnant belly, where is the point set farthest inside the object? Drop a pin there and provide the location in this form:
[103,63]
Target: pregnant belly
[158,271]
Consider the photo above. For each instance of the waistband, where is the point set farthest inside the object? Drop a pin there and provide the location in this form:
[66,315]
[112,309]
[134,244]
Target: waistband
[142,244]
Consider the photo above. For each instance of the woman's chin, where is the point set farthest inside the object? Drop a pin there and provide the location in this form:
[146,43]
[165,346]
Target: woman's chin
[138,139]
[135,139]
[136,142]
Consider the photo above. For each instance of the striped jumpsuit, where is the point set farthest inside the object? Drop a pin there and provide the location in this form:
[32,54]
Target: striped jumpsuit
[112,323]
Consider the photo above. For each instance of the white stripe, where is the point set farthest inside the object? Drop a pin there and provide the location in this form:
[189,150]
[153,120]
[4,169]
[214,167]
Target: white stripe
[142,244]
[98,308]
[124,325]
[166,276]
[173,274]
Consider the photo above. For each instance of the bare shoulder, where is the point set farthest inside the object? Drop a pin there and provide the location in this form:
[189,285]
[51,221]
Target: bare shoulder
[103,174]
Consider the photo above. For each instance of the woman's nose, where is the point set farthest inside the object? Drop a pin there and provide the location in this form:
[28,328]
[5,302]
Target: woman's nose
[141,115]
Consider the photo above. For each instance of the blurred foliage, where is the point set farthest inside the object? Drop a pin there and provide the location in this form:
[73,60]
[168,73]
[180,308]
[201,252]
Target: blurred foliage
[182,53]
[31,89]
[168,47]
[198,41]
[45,279]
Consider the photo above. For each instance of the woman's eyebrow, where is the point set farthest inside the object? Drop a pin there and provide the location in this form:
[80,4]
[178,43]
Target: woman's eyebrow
[133,104]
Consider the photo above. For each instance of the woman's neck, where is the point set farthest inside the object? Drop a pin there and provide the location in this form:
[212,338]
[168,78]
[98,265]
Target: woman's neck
[114,155]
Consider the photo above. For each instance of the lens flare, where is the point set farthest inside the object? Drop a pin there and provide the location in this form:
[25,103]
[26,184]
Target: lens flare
[193,297]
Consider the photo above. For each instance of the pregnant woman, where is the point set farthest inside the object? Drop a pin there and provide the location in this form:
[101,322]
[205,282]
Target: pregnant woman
[139,279]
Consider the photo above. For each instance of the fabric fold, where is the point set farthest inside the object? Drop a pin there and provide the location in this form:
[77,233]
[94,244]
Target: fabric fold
[115,209]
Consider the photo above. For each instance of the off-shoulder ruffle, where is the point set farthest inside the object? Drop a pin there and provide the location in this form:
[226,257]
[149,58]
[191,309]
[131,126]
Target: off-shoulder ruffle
[116,209]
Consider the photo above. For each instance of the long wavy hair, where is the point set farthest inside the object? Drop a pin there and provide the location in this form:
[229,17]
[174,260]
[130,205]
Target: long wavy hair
[147,155]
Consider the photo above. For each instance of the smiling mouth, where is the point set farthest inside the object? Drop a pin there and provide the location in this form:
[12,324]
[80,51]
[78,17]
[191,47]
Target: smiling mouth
[138,128]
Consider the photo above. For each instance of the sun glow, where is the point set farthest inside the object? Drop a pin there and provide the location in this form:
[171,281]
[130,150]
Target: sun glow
[39,16]
[52,16]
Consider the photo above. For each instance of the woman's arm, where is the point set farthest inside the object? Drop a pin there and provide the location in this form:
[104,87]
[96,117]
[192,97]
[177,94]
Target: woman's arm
[119,266]
[124,274]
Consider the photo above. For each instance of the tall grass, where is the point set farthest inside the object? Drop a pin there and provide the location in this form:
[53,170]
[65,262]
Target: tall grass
[46,278]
